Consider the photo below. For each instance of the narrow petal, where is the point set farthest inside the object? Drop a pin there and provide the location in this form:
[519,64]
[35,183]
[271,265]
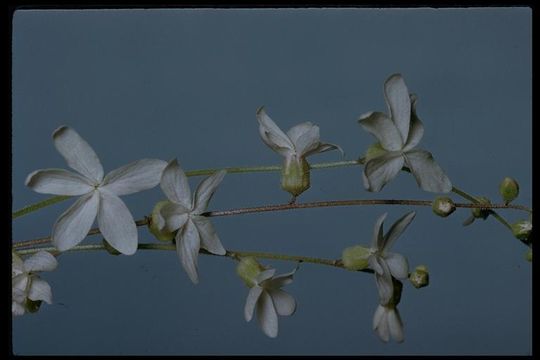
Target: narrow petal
[399,103]
[378,316]
[377,242]
[272,135]
[209,238]
[375,265]
[73,225]
[397,229]
[267,316]
[137,176]
[385,285]
[40,290]
[279,281]
[78,154]
[188,244]
[416,130]
[308,141]
[398,265]
[428,174]
[384,129]
[395,325]
[323,147]
[284,303]
[380,170]
[265,275]
[251,302]
[175,185]
[116,223]
[58,182]
[41,261]
[205,190]
[382,329]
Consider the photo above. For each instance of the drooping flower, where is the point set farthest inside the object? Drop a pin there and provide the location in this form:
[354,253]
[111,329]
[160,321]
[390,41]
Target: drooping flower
[99,194]
[298,143]
[183,213]
[28,289]
[398,134]
[265,296]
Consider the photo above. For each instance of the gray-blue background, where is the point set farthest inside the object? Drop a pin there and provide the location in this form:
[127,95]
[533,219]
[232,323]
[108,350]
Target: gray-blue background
[186,84]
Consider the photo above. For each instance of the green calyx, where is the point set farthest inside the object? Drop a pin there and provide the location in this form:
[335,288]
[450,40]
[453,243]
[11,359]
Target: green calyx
[295,175]
[509,189]
[522,230]
[443,206]
[481,213]
[356,257]
[419,277]
[248,269]
[375,150]
[163,234]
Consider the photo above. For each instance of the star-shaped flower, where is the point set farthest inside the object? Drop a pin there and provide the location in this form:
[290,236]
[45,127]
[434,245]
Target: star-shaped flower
[267,298]
[398,135]
[99,195]
[387,322]
[27,286]
[386,264]
[300,142]
[184,214]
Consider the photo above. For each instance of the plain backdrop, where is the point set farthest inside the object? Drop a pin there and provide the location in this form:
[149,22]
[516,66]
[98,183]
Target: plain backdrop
[185,84]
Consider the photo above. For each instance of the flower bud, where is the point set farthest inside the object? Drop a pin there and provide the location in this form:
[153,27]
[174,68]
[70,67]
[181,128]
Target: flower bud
[356,257]
[419,277]
[248,268]
[295,175]
[509,189]
[443,206]
[528,255]
[481,213]
[154,226]
[375,150]
[522,229]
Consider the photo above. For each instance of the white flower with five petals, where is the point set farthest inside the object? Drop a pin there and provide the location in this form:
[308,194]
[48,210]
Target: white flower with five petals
[99,194]
[27,286]
[183,213]
[267,299]
[398,134]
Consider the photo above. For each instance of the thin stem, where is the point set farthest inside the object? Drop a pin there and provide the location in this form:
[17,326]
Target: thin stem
[36,206]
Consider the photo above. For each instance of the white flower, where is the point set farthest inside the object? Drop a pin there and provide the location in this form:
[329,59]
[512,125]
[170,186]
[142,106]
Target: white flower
[387,264]
[398,135]
[300,142]
[267,298]
[26,284]
[184,214]
[99,194]
[387,322]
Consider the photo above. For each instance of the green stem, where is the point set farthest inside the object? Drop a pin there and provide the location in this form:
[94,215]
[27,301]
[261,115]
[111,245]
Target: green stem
[36,206]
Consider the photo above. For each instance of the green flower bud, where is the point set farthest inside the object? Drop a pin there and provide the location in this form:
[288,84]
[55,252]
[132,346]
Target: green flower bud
[522,229]
[528,255]
[375,150]
[248,268]
[396,295]
[109,248]
[443,206]
[419,277]
[481,213]
[356,257]
[295,175]
[161,235]
[509,189]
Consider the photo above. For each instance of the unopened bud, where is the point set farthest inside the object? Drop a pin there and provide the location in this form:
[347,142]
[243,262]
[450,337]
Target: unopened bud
[375,150]
[443,206]
[157,225]
[248,268]
[509,189]
[419,277]
[356,257]
[295,175]
[522,229]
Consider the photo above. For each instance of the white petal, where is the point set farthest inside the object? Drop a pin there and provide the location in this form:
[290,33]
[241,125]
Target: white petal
[205,190]
[17,309]
[378,238]
[297,131]
[281,280]
[374,264]
[116,223]
[383,129]
[395,325]
[58,182]
[380,170]
[78,154]
[382,327]
[416,130]
[209,238]
[176,221]
[187,247]
[19,286]
[41,261]
[265,275]
[428,174]
[175,185]
[385,286]
[174,215]
[378,317]
[399,103]
[17,265]
[308,141]
[267,316]
[40,290]
[284,303]
[134,177]
[251,301]
[323,147]
[398,265]
[272,135]
[73,225]
[397,229]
